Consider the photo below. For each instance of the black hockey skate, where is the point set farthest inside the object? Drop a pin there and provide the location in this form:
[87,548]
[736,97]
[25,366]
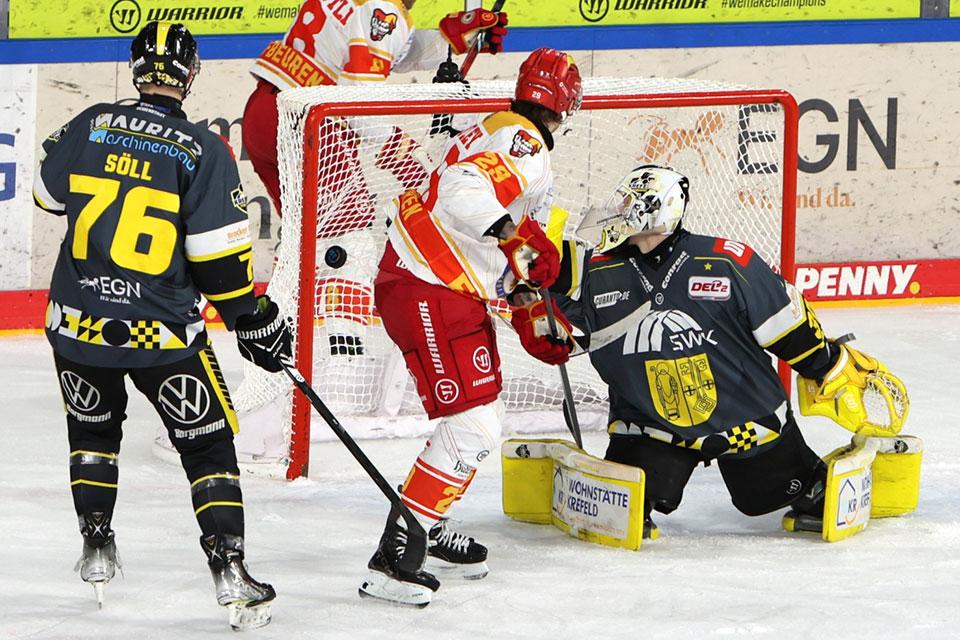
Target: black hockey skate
[390,578]
[806,514]
[247,599]
[456,554]
[99,560]
[650,530]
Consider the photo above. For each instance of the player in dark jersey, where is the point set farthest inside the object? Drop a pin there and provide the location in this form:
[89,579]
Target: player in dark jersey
[156,216]
[690,376]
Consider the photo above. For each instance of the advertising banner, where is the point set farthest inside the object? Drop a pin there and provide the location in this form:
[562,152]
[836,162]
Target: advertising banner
[879,162]
[18,109]
[892,280]
[91,19]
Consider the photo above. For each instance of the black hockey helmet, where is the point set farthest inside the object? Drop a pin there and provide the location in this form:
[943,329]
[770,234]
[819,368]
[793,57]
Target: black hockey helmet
[164,53]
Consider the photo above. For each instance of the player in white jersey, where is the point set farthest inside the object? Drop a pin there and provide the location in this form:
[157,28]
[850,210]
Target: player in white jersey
[352,42]
[473,236]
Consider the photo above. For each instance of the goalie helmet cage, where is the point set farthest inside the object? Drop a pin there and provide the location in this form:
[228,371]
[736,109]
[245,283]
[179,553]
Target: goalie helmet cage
[336,149]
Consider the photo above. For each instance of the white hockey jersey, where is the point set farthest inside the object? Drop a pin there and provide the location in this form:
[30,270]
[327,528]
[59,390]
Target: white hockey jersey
[348,42]
[500,166]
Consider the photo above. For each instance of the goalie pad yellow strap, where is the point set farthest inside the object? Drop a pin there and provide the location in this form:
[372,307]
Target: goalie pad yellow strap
[553,482]
[859,394]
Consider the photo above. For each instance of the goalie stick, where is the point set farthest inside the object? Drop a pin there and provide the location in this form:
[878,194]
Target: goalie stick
[415,531]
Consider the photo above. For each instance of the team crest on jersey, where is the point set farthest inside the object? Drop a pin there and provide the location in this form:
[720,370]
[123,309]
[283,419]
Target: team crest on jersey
[524,144]
[683,390]
[382,24]
[708,288]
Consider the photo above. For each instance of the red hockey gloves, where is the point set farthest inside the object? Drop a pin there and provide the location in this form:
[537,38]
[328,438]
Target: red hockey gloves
[462,28]
[399,156]
[532,257]
[534,329]
[263,335]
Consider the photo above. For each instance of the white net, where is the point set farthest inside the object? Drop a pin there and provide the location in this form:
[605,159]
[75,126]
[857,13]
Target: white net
[732,153]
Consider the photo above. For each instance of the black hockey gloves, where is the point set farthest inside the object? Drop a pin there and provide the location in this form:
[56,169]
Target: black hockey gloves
[264,335]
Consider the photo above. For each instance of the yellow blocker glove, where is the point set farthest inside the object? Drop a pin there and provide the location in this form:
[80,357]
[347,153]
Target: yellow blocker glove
[858,393]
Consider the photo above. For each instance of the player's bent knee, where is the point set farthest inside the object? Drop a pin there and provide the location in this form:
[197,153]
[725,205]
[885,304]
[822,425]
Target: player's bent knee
[774,477]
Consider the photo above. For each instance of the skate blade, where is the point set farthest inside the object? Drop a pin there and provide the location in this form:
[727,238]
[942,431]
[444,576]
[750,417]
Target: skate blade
[98,590]
[244,616]
[474,571]
[381,587]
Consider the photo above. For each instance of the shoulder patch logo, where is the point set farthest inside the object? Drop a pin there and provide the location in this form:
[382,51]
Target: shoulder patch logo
[239,198]
[524,144]
[740,252]
[707,288]
[382,24]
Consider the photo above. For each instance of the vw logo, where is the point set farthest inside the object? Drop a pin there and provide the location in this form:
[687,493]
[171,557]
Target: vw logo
[78,392]
[184,398]
[594,10]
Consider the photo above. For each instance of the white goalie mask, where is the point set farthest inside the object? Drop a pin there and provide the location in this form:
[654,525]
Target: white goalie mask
[649,200]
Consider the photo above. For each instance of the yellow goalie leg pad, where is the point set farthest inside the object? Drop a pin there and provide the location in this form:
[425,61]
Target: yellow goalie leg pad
[553,482]
[846,505]
[873,477]
[896,475]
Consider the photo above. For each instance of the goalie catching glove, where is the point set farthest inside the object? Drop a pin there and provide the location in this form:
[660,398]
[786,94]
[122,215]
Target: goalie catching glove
[533,258]
[263,336]
[533,327]
[461,30]
[858,393]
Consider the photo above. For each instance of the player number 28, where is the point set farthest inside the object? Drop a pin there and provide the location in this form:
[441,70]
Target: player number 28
[133,223]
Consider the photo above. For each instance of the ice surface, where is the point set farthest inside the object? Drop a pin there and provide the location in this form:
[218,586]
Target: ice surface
[713,573]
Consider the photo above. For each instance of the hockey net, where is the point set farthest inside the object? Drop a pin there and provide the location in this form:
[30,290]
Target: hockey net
[737,145]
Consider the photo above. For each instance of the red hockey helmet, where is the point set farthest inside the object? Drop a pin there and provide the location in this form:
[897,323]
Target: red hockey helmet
[551,79]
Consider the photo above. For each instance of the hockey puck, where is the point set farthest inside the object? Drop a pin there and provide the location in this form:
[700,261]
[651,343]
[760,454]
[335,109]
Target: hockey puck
[335,256]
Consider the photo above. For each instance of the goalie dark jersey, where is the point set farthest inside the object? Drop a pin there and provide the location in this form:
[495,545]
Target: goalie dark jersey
[696,364]
[155,216]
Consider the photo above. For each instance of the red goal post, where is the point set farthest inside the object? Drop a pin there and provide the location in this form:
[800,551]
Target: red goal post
[737,145]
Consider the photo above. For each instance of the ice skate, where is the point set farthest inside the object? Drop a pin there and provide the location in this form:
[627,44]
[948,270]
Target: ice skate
[247,600]
[454,553]
[650,530]
[390,580]
[806,514]
[99,560]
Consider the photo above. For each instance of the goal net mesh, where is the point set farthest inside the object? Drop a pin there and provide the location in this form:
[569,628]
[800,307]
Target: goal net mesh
[728,141]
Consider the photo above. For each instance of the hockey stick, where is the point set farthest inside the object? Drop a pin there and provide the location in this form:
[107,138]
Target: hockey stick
[415,531]
[569,410]
[475,49]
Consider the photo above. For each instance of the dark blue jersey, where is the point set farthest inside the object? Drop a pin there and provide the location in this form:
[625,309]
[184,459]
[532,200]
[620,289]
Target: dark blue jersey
[697,364]
[156,216]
